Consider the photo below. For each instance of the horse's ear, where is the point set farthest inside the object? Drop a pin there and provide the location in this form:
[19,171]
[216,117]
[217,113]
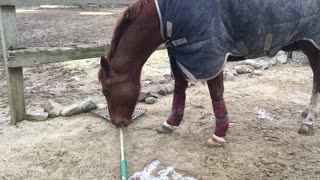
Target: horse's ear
[104,64]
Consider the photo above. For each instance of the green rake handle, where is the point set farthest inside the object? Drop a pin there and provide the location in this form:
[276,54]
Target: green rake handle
[123,158]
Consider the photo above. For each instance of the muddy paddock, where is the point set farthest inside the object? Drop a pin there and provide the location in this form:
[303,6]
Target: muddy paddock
[86,147]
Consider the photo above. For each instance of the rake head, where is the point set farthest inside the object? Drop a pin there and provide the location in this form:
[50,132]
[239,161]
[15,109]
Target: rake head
[104,113]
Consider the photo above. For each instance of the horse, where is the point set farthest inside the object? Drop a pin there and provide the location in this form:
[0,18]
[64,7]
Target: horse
[141,30]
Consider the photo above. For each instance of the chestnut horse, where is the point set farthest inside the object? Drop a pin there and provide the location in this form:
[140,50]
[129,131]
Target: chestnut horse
[136,36]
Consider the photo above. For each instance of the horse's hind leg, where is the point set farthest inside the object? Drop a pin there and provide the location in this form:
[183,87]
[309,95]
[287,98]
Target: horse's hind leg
[216,88]
[313,55]
[178,102]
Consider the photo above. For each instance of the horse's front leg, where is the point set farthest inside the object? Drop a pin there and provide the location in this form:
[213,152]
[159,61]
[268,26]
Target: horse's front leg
[178,103]
[313,55]
[216,89]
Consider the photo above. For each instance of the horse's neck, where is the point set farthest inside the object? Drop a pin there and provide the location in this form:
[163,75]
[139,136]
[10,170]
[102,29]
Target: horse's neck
[139,41]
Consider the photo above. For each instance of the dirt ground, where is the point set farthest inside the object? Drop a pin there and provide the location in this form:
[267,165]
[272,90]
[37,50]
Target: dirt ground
[86,147]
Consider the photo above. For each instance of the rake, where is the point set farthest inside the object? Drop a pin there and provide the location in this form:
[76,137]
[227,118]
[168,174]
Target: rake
[104,113]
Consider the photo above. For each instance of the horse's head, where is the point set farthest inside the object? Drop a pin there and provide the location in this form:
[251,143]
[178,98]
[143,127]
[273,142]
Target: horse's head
[121,91]
[136,36]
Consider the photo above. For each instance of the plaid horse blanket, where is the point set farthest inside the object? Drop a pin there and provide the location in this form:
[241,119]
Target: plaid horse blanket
[201,34]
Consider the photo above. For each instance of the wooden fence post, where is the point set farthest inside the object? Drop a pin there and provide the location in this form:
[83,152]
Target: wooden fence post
[9,38]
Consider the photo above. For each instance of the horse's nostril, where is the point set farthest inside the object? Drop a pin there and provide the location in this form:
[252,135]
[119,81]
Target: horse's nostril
[121,123]
[124,124]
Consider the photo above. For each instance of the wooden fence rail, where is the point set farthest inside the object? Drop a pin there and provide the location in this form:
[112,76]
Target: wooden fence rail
[42,55]
[35,56]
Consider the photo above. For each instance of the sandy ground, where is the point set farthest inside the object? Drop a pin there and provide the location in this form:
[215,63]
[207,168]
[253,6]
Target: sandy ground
[86,147]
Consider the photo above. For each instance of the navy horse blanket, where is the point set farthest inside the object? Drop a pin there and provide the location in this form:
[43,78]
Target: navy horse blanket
[201,34]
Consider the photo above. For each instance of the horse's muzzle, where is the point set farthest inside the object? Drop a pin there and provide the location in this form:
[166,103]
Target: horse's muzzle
[122,123]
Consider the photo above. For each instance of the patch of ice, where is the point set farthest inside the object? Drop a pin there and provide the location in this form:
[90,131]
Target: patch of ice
[263,114]
[25,10]
[96,13]
[167,173]
[56,7]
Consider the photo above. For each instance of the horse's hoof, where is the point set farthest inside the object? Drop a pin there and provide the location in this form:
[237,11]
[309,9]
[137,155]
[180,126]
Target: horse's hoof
[216,141]
[166,128]
[306,129]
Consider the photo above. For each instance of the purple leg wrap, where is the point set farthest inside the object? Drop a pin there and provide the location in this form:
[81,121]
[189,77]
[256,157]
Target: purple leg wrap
[177,110]
[222,119]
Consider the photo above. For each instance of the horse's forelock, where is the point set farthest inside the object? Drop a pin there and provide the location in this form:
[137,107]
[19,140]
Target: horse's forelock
[129,15]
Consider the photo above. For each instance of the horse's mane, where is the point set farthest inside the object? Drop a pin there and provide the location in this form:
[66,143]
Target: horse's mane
[128,16]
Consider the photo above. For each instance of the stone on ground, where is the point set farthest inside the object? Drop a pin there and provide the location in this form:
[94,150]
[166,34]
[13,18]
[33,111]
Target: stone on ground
[163,81]
[37,116]
[146,93]
[160,90]
[72,110]
[153,94]
[258,72]
[281,57]
[88,105]
[142,95]
[169,88]
[146,83]
[228,75]
[253,63]
[54,109]
[84,106]
[150,100]
[272,62]
[234,72]
[243,69]
[265,64]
